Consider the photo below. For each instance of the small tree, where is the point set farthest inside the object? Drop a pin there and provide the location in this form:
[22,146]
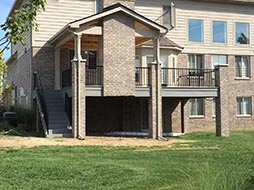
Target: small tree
[3,72]
[22,21]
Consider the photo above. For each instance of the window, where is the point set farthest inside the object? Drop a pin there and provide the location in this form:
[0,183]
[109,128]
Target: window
[137,65]
[242,33]
[97,6]
[219,60]
[242,66]
[196,61]
[243,106]
[197,107]
[164,71]
[195,30]
[149,60]
[168,16]
[219,32]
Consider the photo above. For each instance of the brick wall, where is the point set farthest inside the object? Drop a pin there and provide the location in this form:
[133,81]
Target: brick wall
[20,74]
[171,115]
[237,88]
[233,87]
[44,62]
[119,55]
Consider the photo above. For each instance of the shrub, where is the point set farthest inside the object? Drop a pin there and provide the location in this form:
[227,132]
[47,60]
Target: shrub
[207,177]
[24,117]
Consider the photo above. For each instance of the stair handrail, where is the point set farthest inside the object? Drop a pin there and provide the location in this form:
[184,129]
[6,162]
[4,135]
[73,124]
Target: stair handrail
[41,101]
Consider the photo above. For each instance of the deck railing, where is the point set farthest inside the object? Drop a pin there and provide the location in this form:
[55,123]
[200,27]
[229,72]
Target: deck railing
[187,77]
[142,76]
[41,101]
[94,76]
[179,77]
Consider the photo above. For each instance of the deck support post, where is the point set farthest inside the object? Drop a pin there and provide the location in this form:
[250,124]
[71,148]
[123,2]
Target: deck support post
[78,91]
[155,101]
[222,113]
[183,102]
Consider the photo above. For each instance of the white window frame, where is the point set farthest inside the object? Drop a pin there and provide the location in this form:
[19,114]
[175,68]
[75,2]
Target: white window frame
[202,32]
[195,62]
[196,102]
[249,34]
[242,74]
[148,56]
[219,63]
[225,35]
[244,104]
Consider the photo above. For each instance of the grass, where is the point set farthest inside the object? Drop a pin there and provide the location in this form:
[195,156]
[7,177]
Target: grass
[228,167]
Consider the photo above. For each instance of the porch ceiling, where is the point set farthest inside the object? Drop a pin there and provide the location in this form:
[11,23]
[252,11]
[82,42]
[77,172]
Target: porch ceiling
[91,42]
[88,42]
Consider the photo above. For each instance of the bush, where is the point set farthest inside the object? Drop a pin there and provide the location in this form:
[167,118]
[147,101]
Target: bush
[24,117]
[210,178]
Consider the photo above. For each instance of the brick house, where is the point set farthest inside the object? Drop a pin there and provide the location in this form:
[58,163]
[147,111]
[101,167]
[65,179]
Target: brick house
[137,67]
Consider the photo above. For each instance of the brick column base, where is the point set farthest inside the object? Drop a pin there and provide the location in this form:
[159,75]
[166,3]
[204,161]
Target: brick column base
[78,100]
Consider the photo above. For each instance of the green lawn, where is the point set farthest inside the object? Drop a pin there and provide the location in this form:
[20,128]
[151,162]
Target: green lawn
[210,163]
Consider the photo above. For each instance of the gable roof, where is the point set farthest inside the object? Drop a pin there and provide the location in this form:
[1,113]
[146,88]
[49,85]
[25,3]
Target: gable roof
[118,7]
[106,12]
[164,42]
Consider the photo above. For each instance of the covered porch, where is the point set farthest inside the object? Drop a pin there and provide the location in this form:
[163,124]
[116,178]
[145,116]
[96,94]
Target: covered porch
[101,61]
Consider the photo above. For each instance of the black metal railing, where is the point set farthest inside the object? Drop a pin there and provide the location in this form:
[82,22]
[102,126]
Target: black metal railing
[142,76]
[188,77]
[94,76]
[41,101]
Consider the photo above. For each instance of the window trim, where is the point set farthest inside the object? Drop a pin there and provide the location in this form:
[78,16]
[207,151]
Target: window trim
[219,55]
[203,105]
[249,72]
[218,43]
[249,32]
[250,103]
[202,33]
[203,60]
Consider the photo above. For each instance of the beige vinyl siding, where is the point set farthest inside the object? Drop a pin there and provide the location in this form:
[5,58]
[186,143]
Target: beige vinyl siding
[58,13]
[207,11]
[19,48]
